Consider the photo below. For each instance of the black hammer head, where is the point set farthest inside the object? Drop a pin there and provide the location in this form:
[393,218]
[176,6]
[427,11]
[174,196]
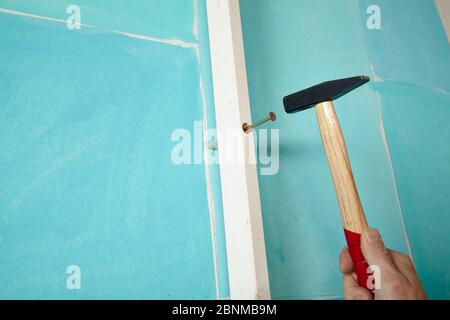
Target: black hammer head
[326,91]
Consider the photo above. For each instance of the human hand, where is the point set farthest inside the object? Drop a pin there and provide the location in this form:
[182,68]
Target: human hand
[397,276]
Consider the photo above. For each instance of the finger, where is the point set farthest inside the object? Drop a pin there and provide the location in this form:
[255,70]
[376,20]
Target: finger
[404,264]
[375,252]
[345,261]
[352,291]
[402,261]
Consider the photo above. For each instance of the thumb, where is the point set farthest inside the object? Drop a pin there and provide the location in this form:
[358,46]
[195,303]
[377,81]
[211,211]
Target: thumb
[375,252]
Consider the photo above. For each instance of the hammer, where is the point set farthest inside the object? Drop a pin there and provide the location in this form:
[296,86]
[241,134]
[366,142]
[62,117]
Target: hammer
[354,221]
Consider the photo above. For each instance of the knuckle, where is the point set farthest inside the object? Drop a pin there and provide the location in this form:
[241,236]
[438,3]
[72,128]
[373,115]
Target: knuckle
[380,251]
[399,286]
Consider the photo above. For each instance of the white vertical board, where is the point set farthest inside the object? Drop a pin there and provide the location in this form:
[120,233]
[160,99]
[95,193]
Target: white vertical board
[246,252]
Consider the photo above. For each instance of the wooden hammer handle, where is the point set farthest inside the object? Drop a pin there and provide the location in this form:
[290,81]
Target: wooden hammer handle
[352,213]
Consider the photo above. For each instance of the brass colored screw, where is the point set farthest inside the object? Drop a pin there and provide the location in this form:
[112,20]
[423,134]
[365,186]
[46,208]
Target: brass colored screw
[248,127]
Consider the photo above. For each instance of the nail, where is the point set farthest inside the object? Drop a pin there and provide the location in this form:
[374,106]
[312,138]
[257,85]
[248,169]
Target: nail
[271,117]
[213,145]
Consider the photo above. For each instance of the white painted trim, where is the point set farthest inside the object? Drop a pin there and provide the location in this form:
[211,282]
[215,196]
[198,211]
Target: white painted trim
[246,252]
[443,7]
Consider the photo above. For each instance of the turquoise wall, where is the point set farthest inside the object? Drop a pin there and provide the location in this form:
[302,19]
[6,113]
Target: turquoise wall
[163,19]
[413,85]
[396,132]
[87,178]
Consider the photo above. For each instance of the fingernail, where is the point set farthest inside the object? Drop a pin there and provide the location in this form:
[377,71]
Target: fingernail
[372,235]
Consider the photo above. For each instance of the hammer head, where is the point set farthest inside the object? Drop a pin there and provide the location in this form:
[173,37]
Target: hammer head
[326,91]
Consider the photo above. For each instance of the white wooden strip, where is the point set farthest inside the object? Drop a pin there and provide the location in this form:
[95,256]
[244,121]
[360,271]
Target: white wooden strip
[246,253]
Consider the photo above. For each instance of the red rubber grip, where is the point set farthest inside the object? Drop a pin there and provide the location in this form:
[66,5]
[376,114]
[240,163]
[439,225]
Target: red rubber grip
[359,262]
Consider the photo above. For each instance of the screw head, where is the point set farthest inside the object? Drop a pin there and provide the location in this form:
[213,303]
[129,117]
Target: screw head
[272,116]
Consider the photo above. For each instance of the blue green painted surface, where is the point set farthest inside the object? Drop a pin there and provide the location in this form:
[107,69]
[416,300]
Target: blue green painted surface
[414,72]
[416,121]
[411,46]
[169,19]
[87,177]
[293,44]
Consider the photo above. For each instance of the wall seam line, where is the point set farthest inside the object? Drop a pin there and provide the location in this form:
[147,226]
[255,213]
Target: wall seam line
[173,42]
[383,134]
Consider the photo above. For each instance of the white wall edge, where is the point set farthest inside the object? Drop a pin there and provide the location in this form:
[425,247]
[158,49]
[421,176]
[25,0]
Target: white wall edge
[246,252]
